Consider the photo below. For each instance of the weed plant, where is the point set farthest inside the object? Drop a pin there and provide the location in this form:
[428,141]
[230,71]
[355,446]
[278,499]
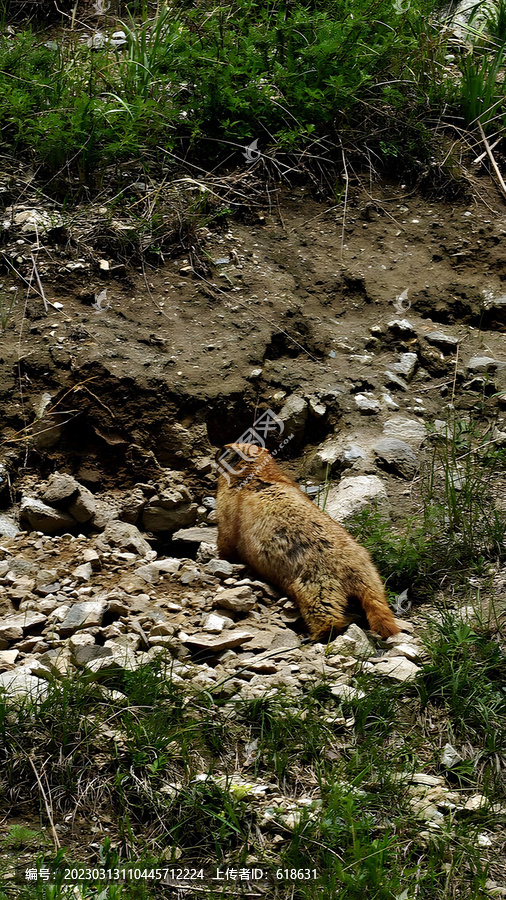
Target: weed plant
[216,77]
[359,834]
[460,530]
[7,306]
[467,676]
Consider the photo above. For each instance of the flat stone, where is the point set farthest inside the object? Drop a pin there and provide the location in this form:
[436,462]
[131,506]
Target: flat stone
[102,666]
[8,527]
[367,404]
[123,534]
[411,430]
[162,628]
[8,659]
[396,456]
[272,637]
[240,599]
[83,615]
[396,667]
[429,780]
[170,564]
[262,666]
[220,567]
[406,365]
[442,340]
[408,650]
[81,656]
[355,493]
[42,517]
[166,641]
[152,572]
[481,364]
[13,627]
[197,535]
[149,573]
[221,642]
[20,682]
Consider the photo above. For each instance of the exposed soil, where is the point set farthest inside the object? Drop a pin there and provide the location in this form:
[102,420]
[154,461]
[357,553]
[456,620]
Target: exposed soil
[293,292]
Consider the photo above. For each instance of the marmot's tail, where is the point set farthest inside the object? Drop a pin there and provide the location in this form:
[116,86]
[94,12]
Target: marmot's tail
[379,615]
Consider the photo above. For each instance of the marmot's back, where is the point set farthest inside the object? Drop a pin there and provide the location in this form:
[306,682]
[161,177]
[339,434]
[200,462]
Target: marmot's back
[265,520]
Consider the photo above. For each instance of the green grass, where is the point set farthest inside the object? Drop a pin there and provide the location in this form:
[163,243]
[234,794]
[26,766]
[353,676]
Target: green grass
[202,81]
[459,531]
[359,832]
[467,676]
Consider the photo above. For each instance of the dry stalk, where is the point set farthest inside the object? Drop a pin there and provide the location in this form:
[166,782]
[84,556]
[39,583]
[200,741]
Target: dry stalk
[56,839]
[491,157]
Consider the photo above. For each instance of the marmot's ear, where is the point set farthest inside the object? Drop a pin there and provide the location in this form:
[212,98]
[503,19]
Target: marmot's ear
[220,453]
[228,459]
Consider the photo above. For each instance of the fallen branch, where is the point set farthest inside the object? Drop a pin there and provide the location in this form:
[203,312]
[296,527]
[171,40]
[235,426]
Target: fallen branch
[492,160]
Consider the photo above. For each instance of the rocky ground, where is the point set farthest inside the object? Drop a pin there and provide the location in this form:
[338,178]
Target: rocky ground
[362,332]
[105,604]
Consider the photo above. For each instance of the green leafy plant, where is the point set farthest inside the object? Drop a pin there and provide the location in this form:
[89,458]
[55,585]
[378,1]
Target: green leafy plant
[482,94]
[7,306]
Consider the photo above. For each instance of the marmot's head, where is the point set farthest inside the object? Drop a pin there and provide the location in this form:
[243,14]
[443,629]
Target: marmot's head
[242,464]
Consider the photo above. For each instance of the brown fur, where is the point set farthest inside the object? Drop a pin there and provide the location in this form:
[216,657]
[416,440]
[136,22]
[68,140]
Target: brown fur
[265,520]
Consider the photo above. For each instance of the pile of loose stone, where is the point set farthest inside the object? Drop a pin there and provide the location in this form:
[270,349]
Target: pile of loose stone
[98,605]
[107,602]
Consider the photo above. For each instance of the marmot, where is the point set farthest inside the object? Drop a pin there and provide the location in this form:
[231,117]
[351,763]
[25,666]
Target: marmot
[265,520]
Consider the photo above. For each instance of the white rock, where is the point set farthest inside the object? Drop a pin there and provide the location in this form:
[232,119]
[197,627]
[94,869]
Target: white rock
[410,430]
[355,493]
[353,643]
[42,517]
[21,682]
[216,644]
[346,692]
[8,659]
[450,756]
[83,615]
[215,624]
[429,780]
[367,404]
[83,572]
[397,667]
[408,650]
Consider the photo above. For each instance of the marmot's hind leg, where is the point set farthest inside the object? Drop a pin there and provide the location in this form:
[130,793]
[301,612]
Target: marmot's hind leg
[322,612]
